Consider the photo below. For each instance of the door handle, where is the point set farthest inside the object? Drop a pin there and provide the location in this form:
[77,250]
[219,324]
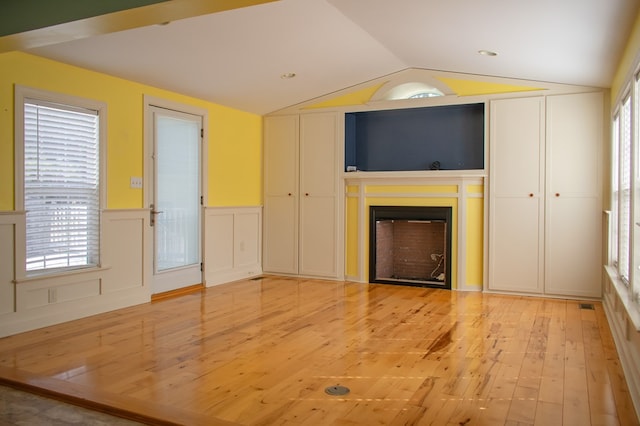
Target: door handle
[152,215]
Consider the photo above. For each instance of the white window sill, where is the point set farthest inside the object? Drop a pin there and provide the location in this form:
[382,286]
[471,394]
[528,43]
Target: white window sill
[626,299]
[42,276]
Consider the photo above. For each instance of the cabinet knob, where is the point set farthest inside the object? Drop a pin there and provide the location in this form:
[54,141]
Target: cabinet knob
[306,194]
[557,194]
[531,194]
[289,194]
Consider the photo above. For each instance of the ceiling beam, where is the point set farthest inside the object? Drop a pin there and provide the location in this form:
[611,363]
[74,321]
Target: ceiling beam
[150,13]
[19,16]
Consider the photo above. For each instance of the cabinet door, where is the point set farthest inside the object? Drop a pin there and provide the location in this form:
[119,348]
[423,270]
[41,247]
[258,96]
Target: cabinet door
[280,246]
[280,230]
[318,195]
[281,155]
[516,216]
[517,147]
[318,237]
[574,202]
[574,139]
[573,264]
[516,245]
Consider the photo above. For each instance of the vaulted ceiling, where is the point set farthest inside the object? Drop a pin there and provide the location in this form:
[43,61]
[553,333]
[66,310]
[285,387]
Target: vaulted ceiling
[237,57]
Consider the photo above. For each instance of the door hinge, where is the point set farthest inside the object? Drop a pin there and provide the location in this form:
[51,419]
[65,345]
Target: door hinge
[201,200]
[201,267]
[202,133]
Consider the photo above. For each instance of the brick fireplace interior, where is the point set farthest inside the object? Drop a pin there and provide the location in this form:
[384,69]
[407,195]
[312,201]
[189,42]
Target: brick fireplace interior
[410,245]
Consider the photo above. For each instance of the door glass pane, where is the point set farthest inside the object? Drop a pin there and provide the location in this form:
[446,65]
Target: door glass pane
[177,192]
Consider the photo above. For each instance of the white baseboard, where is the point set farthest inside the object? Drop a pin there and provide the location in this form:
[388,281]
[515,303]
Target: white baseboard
[18,322]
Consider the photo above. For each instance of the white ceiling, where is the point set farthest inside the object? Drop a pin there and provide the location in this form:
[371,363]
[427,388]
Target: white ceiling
[235,58]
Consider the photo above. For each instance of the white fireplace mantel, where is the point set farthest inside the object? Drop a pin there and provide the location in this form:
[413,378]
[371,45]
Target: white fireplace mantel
[419,176]
[458,188]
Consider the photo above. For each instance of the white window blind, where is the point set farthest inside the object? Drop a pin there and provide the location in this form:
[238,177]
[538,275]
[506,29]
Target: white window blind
[624,225]
[61,186]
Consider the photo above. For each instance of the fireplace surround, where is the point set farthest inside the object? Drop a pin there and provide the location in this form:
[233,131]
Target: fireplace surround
[410,245]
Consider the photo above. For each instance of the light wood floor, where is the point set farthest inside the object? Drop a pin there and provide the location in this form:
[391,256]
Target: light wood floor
[263,352]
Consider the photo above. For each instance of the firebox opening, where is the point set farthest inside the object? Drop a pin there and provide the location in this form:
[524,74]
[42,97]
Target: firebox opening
[410,246]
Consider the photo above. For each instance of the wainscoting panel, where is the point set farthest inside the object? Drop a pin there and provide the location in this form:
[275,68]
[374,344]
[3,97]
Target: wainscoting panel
[232,246]
[124,237]
[247,232]
[219,245]
[7,259]
[41,293]
[27,303]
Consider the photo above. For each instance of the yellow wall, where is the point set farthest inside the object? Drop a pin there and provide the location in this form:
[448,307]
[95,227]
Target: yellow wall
[235,137]
[235,158]
[625,67]
[475,242]
[352,214]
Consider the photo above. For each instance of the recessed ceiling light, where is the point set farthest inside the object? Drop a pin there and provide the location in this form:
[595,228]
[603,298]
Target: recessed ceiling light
[288,75]
[487,52]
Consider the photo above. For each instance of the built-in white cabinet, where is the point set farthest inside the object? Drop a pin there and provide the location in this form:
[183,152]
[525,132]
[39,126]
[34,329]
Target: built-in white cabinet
[301,202]
[545,201]
[516,212]
[573,232]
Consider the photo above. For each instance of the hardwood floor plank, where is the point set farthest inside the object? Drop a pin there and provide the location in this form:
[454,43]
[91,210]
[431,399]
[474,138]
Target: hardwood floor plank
[551,392]
[576,403]
[601,398]
[548,413]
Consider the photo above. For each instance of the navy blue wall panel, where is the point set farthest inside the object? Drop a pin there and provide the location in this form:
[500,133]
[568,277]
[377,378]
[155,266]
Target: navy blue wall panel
[415,138]
[350,138]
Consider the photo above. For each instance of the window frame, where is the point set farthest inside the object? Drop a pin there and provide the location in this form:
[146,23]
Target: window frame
[634,279]
[24,94]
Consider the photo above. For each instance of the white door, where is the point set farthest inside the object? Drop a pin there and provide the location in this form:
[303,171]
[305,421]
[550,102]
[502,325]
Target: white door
[176,199]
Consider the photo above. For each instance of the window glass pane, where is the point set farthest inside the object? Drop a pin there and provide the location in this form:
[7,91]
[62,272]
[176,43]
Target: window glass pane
[61,187]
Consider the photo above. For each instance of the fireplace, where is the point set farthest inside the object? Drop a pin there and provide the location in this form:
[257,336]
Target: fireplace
[410,245]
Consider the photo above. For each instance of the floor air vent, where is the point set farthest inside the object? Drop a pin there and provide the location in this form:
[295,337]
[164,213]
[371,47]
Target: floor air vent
[337,390]
[586,306]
